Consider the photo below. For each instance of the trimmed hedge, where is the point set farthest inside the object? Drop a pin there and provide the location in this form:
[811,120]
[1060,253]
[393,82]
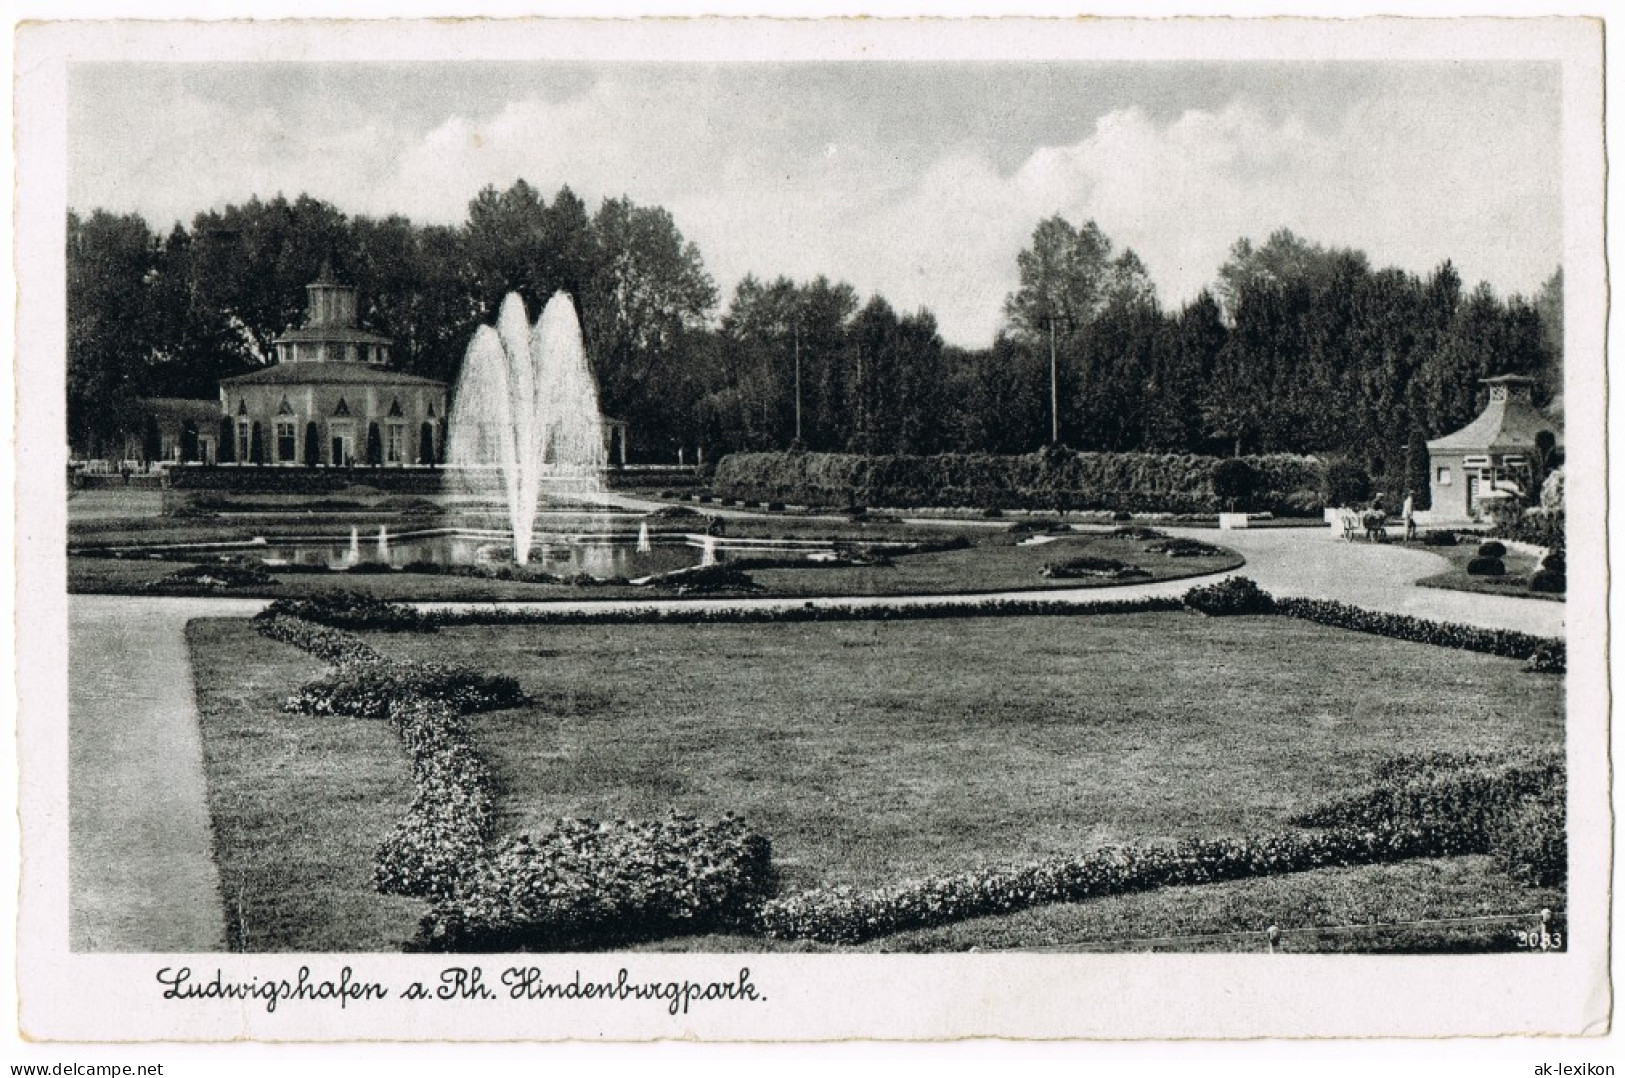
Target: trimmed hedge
[351,610]
[1439,537]
[751,615]
[1486,567]
[1048,480]
[1492,549]
[583,884]
[1503,642]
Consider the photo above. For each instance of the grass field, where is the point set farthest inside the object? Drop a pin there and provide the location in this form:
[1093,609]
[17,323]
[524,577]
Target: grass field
[867,752]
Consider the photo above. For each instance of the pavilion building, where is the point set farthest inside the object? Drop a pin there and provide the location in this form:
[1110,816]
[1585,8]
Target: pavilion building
[1497,454]
[330,398]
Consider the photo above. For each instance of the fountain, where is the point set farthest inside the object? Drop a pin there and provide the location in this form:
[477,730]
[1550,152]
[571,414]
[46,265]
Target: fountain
[526,412]
[643,538]
[354,555]
[383,544]
[708,550]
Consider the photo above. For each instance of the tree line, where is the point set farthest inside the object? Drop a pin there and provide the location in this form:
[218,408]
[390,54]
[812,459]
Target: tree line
[1296,347]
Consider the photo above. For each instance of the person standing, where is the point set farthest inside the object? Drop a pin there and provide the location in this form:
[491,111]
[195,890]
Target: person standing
[1408,511]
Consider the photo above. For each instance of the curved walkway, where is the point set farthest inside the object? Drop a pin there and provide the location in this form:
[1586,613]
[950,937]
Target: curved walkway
[1301,562]
[142,874]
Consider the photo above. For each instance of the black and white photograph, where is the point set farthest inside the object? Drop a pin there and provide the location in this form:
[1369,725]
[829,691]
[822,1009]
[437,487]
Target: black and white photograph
[757,531]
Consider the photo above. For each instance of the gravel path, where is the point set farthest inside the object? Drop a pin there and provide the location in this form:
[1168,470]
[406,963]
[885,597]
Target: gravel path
[141,874]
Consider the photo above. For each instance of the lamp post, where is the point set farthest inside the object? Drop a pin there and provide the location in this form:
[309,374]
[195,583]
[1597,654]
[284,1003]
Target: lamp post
[1050,318]
[796,336]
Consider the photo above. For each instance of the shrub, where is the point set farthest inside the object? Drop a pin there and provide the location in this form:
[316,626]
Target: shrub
[993,512]
[1236,595]
[351,610]
[411,506]
[1531,843]
[774,507]
[368,691]
[1503,642]
[1486,567]
[1555,562]
[1184,548]
[582,884]
[1304,503]
[1492,549]
[706,578]
[222,575]
[1463,798]
[1037,526]
[673,512]
[1122,516]
[1110,568]
[1539,526]
[1439,537]
[1551,657]
[1234,481]
[1346,483]
[1138,531]
[1548,581]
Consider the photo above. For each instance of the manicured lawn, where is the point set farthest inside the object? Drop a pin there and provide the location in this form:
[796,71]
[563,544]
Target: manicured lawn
[867,752]
[873,751]
[298,802]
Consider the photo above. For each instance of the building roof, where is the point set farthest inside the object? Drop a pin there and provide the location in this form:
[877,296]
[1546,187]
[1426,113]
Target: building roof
[330,373]
[1504,426]
[343,334]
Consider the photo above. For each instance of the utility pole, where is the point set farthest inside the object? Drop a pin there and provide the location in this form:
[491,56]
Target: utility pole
[796,331]
[1054,388]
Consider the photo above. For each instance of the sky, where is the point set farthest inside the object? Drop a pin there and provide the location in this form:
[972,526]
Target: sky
[920,181]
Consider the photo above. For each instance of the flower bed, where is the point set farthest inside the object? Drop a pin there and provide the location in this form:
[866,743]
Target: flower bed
[1432,807]
[583,883]
[370,690]
[439,840]
[1110,568]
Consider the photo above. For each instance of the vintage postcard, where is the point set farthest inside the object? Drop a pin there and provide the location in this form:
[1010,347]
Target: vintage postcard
[752,530]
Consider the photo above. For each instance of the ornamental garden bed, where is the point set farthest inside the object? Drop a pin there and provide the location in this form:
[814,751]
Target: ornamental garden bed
[1519,567]
[988,561]
[866,752]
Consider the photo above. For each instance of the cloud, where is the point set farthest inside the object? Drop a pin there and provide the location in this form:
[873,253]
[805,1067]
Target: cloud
[1412,173]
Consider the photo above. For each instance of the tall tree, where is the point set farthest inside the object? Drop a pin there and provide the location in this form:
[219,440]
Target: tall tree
[111,267]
